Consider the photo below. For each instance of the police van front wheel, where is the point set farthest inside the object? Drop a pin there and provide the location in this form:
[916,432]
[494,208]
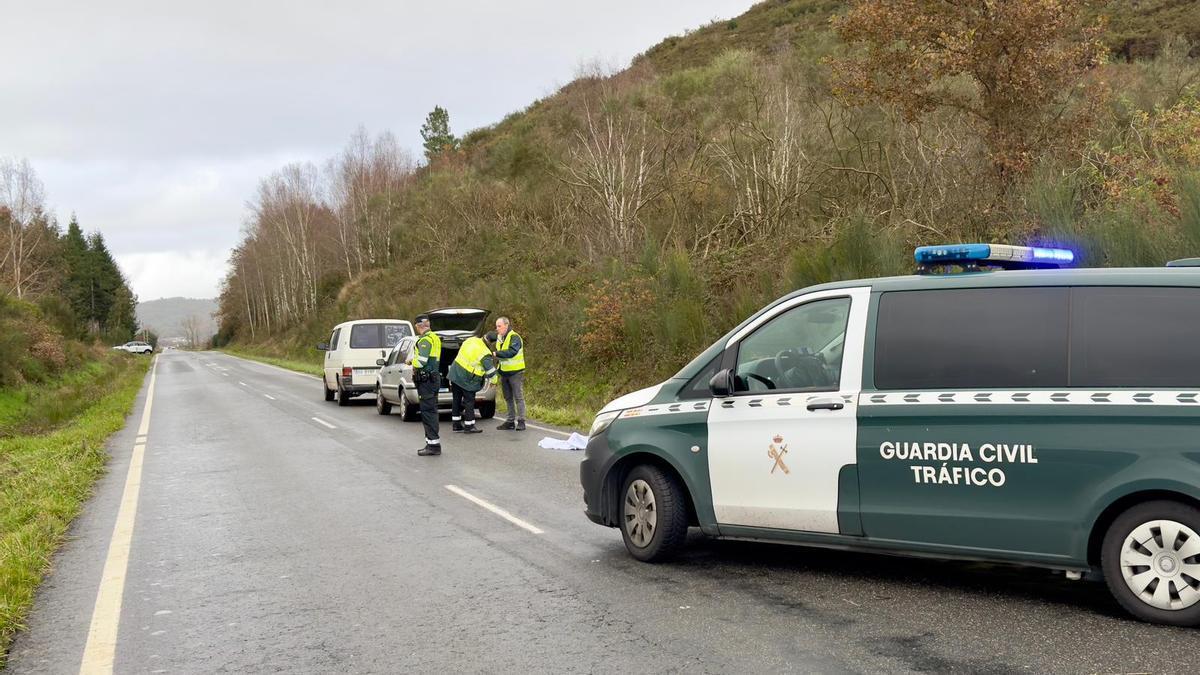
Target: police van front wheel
[654,518]
[1151,562]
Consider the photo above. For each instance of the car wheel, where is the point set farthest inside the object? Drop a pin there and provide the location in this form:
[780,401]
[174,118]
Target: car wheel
[381,405]
[1151,562]
[487,410]
[408,411]
[654,518]
[328,392]
[342,397]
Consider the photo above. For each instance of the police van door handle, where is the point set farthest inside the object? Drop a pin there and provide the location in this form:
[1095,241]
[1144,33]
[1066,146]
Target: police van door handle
[826,404]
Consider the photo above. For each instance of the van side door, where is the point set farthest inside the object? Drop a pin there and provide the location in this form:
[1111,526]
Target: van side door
[971,437]
[333,365]
[779,444]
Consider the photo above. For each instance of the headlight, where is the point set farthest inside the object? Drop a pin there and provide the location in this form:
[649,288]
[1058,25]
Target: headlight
[602,422]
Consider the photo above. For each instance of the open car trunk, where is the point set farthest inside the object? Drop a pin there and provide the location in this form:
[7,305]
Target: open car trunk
[452,321]
[454,325]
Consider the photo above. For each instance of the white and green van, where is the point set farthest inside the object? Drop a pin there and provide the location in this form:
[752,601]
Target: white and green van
[1048,417]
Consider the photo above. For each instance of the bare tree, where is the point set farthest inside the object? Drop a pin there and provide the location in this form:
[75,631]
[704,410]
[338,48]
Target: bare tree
[613,168]
[26,233]
[192,327]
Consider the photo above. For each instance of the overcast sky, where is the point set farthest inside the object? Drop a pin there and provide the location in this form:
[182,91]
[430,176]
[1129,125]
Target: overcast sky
[153,121]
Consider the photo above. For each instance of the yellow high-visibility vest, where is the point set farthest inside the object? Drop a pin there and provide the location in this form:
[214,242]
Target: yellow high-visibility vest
[435,349]
[516,363]
[471,354]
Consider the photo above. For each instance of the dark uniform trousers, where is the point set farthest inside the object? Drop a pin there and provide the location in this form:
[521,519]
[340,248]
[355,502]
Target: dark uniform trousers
[462,405]
[427,392]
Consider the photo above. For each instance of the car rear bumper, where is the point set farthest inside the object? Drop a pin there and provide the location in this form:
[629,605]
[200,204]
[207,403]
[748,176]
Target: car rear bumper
[446,400]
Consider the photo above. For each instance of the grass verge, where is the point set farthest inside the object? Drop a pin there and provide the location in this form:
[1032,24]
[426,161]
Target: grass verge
[46,475]
[290,364]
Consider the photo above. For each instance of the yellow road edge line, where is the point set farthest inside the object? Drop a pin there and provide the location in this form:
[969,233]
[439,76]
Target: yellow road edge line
[494,509]
[100,650]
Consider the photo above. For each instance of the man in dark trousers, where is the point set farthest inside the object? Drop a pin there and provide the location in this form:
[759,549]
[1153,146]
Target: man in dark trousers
[510,349]
[471,370]
[426,356]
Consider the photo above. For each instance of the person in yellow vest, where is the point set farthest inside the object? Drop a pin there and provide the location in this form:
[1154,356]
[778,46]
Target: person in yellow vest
[427,377]
[472,369]
[510,350]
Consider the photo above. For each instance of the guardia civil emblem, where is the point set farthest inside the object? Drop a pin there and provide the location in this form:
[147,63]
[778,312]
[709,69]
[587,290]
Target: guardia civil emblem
[776,451]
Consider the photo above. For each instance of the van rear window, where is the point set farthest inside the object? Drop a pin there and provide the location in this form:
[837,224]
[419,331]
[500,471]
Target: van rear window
[973,338]
[1135,337]
[377,335]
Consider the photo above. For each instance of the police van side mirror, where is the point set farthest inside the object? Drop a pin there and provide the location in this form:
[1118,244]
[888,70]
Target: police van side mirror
[721,384]
[323,346]
[381,362]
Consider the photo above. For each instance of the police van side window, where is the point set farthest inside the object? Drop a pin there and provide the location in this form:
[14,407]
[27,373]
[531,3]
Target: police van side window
[973,338]
[333,341]
[798,350]
[1135,337]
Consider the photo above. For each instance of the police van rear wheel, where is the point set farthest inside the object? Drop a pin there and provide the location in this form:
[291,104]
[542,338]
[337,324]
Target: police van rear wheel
[654,518]
[1151,562]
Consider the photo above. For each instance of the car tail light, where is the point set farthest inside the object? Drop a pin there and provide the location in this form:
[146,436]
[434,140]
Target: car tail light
[347,371]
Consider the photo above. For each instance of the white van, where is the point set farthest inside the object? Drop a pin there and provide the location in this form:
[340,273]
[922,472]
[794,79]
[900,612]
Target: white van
[352,353]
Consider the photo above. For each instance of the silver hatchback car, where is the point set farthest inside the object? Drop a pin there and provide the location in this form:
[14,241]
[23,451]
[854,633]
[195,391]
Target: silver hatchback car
[394,384]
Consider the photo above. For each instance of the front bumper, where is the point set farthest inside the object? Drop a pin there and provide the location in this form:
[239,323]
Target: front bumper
[597,460]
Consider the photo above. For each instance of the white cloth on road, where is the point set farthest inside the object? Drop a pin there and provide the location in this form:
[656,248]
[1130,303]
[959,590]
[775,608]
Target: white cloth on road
[575,442]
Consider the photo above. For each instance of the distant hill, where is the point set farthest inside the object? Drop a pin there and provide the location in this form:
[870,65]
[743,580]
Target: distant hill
[166,316]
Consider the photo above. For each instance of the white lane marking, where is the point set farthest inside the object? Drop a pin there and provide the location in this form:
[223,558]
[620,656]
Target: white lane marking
[565,434]
[269,396]
[243,383]
[323,422]
[494,509]
[225,374]
[101,646]
[269,365]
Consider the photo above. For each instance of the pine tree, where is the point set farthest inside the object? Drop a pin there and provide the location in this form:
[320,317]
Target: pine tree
[436,133]
[76,285]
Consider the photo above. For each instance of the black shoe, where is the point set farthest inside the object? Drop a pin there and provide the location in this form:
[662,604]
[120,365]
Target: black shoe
[472,429]
[520,425]
[457,426]
[506,426]
[430,450]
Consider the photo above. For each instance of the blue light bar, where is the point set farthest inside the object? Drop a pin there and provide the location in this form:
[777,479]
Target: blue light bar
[1001,255]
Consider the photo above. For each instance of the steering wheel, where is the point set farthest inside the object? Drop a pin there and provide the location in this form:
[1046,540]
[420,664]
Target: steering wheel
[760,378]
[793,364]
[786,360]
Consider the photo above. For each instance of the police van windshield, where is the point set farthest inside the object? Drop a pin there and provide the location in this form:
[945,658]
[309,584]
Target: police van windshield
[377,335]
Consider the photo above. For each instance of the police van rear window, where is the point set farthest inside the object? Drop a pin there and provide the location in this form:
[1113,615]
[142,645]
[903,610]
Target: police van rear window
[1135,337]
[976,338]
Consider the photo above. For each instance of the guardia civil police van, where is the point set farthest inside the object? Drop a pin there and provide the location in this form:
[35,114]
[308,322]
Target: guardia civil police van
[995,406]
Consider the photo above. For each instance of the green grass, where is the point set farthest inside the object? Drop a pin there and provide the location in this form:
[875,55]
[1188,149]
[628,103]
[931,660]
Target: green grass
[290,364]
[45,476]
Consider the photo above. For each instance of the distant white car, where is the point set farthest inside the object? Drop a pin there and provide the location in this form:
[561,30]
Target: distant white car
[136,347]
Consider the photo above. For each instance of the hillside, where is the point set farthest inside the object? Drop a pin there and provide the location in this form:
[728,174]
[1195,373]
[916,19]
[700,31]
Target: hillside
[629,219]
[166,317]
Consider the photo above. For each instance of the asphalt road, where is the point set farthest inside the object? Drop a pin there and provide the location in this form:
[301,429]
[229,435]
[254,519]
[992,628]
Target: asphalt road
[277,532]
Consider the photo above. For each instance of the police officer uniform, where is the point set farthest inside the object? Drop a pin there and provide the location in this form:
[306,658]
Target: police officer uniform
[472,368]
[426,357]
